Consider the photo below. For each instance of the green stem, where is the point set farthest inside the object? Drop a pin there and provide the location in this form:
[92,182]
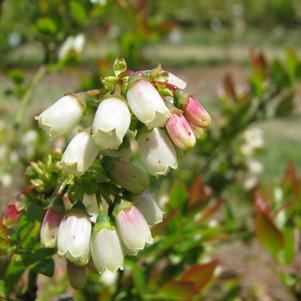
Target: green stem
[28,95]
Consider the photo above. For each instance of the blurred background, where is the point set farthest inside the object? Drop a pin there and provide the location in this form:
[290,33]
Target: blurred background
[241,60]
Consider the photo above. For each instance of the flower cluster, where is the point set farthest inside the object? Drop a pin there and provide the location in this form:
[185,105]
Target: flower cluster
[148,109]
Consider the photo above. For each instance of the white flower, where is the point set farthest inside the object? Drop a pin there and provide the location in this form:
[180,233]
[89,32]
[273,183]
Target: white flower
[176,81]
[108,278]
[106,249]
[62,116]
[132,227]
[129,176]
[111,122]
[90,203]
[254,140]
[74,237]
[72,44]
[147,104]
[149,208]
[157,152]
[50,227]
[80,153]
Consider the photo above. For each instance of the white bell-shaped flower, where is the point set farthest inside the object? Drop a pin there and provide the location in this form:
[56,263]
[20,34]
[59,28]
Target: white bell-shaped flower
[149,208]
[147,104]
[132,226]
[176,81]
[111,122]
[105,246]
[80,153]
[74,237]
[49,228]
[62,116]
[157,151]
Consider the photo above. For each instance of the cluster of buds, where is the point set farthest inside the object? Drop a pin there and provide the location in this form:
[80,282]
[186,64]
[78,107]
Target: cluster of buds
[150,107]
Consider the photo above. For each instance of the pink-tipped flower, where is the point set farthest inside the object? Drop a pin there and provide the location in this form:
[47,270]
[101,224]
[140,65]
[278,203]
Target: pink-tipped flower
[105,246]
[180,131]
[50,227]
[77,276]
[195,113]
[12,214]
[132,226]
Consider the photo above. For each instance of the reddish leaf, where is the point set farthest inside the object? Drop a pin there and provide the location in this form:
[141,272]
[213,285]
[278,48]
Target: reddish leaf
[159,228]
[261,206]
[291,178]
[196,192]
[268,234]
[210,210]
[229,87]
[259,63]
[200,274]
[178,290]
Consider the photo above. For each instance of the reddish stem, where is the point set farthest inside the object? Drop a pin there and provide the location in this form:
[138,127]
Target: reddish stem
[166,85]
[25,191]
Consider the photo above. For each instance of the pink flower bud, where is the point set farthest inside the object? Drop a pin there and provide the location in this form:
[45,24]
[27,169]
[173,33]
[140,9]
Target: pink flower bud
[49,228]
[12,214]
[180,132]
[195,113]
[77,276]
[132,227]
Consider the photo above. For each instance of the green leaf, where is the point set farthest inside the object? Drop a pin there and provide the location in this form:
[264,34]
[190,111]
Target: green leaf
[39,260]
[46,26]
[138,277]
[289,245]
[78,12]
[285,106]
[4,240]
[17,76]
[178,195]
[267,233]
[119,66]
[13,273]
[293,64]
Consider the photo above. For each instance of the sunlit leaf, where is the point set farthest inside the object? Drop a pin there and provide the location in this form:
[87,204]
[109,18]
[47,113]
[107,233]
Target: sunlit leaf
[200,274]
